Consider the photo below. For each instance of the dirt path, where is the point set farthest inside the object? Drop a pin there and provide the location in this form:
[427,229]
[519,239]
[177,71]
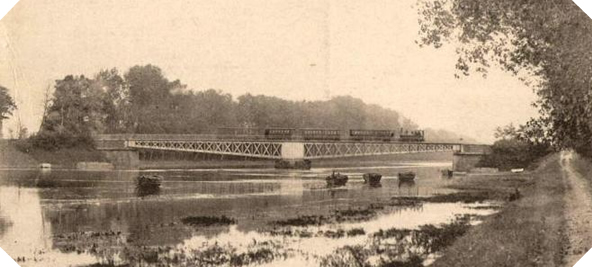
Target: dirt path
[578,210]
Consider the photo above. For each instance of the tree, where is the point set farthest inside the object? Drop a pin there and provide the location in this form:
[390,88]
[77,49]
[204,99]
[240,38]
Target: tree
[7,106]
[547,40]
[116,106]
[150,95]
[507,132]
[74,115]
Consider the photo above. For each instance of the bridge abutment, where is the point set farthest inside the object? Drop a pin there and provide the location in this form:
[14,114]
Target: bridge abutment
[123,159]
[469,156]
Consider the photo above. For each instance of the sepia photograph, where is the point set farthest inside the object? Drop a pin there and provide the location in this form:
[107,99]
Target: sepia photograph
[305,133]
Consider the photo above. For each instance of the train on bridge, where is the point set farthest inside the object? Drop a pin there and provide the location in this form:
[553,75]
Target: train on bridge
[326,134]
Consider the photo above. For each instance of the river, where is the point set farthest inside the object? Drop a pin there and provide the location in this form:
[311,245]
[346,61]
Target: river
[93,218]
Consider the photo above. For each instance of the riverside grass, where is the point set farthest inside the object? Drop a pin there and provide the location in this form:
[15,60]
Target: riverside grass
[526,232]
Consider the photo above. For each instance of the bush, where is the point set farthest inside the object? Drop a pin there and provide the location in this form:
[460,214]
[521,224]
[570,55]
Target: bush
[24,145]
[514,153]
[49,140]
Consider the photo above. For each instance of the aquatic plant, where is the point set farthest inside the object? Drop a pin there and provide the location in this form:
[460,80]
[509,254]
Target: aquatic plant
[432,238]
[464,197]
[290,232]
[412,261]
[356,231]
[207,220]
[334,234]
[405,201]
[362,214]
[396,233]
[347,256]
[303,220]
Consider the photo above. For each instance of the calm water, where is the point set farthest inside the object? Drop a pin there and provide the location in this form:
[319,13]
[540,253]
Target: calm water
[61,218]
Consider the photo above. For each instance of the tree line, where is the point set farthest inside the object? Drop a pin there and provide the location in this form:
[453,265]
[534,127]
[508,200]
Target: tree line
[143,101]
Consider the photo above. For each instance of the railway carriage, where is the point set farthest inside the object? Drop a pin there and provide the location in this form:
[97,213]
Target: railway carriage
[371,135]
[279,133]
[241,133]
[321,134]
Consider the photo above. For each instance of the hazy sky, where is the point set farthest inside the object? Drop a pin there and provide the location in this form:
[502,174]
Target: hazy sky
[295,49]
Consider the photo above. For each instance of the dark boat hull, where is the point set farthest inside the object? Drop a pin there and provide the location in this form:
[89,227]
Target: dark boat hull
[447,173]
[149,180]
[372,178]
[336,180]
[406,176]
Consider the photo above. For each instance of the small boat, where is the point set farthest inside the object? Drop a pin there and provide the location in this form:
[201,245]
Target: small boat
[149,180]
[406,176]
[336,179]
[372,178]
[447,173]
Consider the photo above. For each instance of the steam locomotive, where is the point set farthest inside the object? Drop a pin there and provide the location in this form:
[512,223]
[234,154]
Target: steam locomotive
[324,134]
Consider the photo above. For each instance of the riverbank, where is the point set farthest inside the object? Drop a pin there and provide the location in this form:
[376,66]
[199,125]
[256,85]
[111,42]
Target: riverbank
[13,157]
[548,226]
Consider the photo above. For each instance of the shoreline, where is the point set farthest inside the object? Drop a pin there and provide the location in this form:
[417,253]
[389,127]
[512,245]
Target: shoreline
[543,226]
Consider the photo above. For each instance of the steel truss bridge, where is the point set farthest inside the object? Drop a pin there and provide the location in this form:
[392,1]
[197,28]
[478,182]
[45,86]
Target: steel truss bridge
[269,149]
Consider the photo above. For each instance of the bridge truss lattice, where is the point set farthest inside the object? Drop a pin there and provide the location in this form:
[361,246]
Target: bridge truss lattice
[273,149]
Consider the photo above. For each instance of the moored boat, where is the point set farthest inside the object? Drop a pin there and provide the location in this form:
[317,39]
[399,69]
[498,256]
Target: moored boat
[406,176]
[372,178]
[149,180]
[336,179]
[447,173]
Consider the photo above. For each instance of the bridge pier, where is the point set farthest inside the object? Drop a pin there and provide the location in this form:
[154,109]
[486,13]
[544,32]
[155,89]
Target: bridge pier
[123,159]
[469,156]
[292,157]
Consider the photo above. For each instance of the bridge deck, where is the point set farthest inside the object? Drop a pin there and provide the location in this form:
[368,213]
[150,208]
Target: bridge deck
[259,147]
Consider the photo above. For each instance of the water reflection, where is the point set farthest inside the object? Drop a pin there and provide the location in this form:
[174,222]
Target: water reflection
[27,234]
[89,217]
[406,184]
[143,191]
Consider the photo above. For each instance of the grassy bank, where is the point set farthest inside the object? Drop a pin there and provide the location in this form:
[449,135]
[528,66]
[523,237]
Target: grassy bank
[526,232]
[68,157]
[13,156]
